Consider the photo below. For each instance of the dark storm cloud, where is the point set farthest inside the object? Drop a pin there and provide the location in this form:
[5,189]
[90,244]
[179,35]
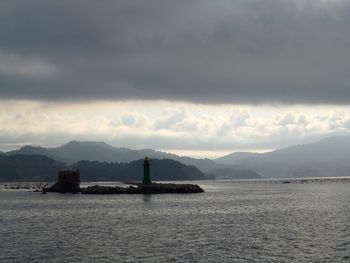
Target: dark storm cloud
[200,51]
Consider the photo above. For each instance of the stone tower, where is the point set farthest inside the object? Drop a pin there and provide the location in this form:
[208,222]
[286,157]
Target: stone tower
[146,173]
[68,181]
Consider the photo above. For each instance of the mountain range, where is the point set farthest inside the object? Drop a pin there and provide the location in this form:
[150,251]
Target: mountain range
[43,168]
[76,151]
[327,157]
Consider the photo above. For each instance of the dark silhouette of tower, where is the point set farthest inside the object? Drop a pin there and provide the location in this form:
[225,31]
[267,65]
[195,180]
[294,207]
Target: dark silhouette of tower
[146,173]
[68,181]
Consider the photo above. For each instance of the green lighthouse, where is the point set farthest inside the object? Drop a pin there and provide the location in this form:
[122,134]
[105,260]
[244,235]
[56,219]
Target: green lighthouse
[146,173]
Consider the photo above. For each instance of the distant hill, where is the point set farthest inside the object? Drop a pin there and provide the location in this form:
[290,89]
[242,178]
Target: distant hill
[42,168]
[29,168]
[161,170]
[231,173]
[235,158]
[327,157]
[76,151]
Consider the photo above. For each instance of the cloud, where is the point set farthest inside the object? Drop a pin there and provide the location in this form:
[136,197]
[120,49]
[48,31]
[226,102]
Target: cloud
[22,67]
[174,127]
[241,51]
[288,119]
[170,118]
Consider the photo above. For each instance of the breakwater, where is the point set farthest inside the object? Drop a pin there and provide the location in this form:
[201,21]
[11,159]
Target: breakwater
[154,188]
[23,186]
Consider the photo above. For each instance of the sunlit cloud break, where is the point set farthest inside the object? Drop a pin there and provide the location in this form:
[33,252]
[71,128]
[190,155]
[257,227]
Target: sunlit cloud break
[177,127]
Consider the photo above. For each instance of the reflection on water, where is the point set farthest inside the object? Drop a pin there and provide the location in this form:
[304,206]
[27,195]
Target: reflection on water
[231,222]
[146,198]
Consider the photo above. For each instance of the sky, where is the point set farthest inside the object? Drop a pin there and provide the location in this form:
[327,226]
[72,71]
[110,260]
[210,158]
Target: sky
[200,78]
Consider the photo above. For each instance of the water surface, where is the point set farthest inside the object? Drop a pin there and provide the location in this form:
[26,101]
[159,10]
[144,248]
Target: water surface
[230,222]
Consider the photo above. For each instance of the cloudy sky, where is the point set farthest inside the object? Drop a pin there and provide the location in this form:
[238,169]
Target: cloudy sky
[194,77]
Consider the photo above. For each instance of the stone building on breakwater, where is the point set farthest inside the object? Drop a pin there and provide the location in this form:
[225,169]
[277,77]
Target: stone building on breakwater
[68,181]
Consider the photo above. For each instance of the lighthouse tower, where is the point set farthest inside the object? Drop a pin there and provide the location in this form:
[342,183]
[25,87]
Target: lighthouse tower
[146,173]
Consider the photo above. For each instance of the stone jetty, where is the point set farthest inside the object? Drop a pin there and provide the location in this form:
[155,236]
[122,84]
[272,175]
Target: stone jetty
[154,188]
[69,181]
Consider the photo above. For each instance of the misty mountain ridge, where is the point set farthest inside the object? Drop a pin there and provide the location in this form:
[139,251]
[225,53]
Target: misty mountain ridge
[76,151]
[327,157]
[234,158]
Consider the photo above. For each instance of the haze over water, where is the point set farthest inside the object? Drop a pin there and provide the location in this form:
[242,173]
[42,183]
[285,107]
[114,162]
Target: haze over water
[230,222]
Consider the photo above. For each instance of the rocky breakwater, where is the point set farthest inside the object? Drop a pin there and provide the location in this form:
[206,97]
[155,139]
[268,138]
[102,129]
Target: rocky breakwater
[36,187]
[155,188]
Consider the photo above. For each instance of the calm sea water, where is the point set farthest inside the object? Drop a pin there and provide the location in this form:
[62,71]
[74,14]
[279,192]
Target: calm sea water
[230,222]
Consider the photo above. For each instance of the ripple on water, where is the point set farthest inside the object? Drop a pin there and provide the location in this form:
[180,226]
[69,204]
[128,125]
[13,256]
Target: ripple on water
[231,222]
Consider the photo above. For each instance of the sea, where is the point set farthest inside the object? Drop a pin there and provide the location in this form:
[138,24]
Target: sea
[233,221]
